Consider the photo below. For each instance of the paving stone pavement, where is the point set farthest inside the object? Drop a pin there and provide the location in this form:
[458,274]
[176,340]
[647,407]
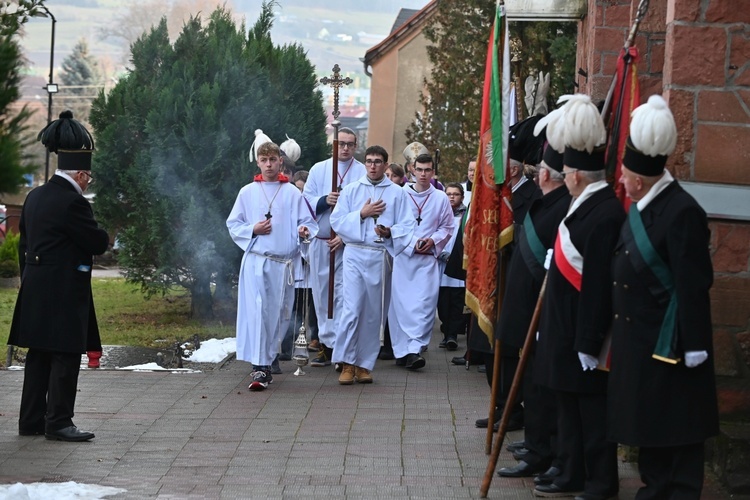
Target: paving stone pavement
[204,435]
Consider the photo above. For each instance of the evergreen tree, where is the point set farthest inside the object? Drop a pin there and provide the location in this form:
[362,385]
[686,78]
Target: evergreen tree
[80,70]
[452,98]
[13,123]
[173,138]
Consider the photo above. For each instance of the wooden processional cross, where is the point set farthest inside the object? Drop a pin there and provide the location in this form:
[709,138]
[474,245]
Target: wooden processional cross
[335,82]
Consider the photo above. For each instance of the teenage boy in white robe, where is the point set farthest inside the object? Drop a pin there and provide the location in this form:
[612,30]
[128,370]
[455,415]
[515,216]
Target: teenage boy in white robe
[416,271]
[267,221]
[318,192]
[371,209]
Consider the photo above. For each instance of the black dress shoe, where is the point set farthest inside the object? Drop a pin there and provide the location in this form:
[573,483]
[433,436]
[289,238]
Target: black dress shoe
[515,424]
[591,496]
[414,362]
[521,469]
[451,344]
[553,491]
[401,361]
[71,433]
[515,445]
[520,454]
[547,476]
[386,354]
[31,432]
[459,361]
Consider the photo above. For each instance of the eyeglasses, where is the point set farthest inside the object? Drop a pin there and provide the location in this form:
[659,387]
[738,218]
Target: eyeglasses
[91,177]
[420,170]
[370,161]
[350,145]
[569,172]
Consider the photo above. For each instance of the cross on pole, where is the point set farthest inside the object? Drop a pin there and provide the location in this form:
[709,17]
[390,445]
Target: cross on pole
[335,82]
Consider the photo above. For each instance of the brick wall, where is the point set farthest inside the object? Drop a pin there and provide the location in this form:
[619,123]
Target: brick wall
[697,53]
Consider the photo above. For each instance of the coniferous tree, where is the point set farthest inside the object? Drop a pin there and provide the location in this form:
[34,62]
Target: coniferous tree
[81,77]
[14,162]
[452,97]
[173,138]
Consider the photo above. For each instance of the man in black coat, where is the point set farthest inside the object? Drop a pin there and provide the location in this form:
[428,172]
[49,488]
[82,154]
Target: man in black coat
[54,316]
[577,312]
[525,276]
[662,391]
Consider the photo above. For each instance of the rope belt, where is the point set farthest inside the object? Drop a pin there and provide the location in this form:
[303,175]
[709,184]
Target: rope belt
[281,260]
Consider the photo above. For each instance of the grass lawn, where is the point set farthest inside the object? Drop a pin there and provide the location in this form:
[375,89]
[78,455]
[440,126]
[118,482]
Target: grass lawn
[126,318]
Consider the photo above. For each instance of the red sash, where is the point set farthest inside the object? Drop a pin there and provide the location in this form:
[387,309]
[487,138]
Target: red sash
[567,258]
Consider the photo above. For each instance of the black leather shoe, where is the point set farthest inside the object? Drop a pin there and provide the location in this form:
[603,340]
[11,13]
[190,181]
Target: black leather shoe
[459,361]
[31,432]
[515,445]
[386,354]
[547,476]
[514,425]
[553,491]
[414,362]
[451,344]
[521,469]
[482,369]
[401,361]
[520,454]
[71,433]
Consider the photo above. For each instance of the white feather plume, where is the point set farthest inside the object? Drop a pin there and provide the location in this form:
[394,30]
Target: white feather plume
[652,128]
[555,129]
[291,149]
[260,138]
[584,128]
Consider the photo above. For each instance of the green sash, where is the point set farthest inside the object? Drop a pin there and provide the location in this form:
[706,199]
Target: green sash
[644,255]
[532,249]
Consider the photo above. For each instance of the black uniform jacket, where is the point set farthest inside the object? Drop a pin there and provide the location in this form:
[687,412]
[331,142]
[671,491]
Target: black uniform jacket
[653,403]
[522,285]
[573,321]
[59,235]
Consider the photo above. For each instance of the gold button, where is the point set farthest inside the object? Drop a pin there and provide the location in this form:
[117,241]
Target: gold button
[625,287]
[37,258]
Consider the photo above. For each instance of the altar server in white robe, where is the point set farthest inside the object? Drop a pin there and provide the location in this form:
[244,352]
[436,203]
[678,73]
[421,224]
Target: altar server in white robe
[323,200]
[371,209]
[267,221]
[416,271]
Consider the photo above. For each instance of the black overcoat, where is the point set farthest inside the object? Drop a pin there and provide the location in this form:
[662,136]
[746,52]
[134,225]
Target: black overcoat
[59,235]
[573,321]
[522,285]
[653,403]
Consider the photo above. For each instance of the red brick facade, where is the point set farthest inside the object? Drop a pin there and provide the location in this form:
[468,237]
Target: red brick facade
[697,53]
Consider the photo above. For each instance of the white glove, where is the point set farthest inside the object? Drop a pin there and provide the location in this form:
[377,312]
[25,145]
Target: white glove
[548,259]
[694,358]
[588,362]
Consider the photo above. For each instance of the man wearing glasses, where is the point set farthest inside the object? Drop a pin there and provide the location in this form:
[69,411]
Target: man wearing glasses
[54,316]
[323,200]
[372,216]
[416,273]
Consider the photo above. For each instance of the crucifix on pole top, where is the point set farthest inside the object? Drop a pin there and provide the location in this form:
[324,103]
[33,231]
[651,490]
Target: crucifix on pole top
[335,82]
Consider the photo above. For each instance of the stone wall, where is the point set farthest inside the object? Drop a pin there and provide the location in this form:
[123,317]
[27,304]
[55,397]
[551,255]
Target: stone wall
[697,53]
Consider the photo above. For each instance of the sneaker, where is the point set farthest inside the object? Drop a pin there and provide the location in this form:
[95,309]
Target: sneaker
[313,346]
[362,375]
[347,375]
[323,358]
[261,379]
[275,367]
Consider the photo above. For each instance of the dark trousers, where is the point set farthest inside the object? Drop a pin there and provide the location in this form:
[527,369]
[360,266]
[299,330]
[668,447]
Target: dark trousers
[674,472]
[589,461]
[49,390]
[450,308]
[540,419]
